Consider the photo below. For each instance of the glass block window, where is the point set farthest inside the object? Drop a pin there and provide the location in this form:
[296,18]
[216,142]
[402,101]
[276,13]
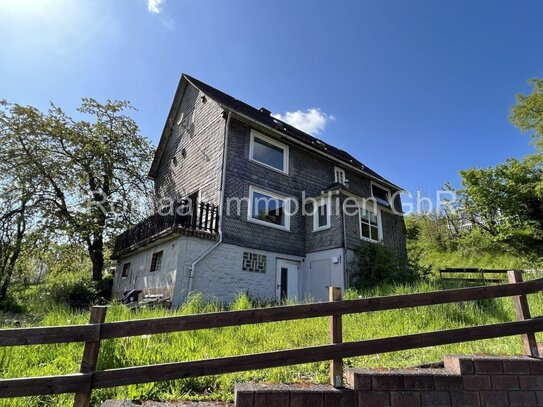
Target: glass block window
[254,262]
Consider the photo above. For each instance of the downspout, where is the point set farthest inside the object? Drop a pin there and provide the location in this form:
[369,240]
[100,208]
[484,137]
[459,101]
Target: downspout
[345,277]
[206,253]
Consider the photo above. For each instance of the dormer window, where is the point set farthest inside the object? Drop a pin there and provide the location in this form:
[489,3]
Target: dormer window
[339,175]
[268,152]
[381,195]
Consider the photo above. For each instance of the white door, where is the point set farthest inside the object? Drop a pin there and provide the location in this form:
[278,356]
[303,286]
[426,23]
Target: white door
[320,278]
[287,279]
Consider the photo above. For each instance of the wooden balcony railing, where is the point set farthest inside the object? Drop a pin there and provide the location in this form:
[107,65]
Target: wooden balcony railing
[202,217]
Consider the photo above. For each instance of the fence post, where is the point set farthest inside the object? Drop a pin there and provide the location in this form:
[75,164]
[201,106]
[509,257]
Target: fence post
[336,336]
[522,311]
[90,356]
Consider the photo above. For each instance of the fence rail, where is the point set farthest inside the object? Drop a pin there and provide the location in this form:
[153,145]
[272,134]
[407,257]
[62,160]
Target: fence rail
[475,274]
[89,378]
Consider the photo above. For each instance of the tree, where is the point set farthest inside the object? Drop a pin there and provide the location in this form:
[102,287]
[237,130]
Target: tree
[18,202]
[527,114]
[90,176]
[504,196]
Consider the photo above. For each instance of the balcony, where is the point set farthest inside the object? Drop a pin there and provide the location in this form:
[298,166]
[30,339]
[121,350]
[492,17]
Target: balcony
[200,219]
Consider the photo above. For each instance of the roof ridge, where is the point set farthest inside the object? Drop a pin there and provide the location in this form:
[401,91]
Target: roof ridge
[271,121]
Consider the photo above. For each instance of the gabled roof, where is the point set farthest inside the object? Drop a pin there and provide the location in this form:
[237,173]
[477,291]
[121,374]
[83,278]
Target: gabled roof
[264,118]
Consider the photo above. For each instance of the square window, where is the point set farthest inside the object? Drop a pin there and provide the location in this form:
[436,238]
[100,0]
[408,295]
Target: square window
[254,262]
[268,209]
[268,152]
[156,261]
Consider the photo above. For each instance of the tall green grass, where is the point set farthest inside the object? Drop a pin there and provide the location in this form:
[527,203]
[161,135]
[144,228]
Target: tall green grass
[203,344]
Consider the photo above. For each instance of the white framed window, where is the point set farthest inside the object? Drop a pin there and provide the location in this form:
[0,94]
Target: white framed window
[370,225]
[321,215]
[381,194]
[269,209]
[268,152]
[339,175]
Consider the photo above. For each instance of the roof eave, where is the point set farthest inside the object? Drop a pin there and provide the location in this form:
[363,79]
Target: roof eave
[167,125]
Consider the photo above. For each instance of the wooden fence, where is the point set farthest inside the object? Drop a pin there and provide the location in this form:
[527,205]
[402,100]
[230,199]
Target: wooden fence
[473,275]
[89,378]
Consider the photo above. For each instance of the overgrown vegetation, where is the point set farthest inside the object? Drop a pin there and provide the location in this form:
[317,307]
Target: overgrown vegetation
[61,359]
[374,265]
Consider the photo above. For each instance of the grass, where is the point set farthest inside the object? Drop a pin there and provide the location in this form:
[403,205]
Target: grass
[62,359]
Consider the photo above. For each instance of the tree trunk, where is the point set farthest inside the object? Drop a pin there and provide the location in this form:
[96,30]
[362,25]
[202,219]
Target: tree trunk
[96,253]
[5,284]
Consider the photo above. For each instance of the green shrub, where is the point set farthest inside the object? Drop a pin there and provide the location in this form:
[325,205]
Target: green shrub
[375,264]
[75,289]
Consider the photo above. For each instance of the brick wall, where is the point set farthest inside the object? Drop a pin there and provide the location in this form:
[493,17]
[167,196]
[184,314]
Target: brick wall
[464,381]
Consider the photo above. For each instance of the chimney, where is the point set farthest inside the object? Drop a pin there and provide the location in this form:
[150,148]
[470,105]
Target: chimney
[265,111]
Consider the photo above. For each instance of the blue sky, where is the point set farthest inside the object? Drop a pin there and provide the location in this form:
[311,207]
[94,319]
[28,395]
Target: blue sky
[417,90]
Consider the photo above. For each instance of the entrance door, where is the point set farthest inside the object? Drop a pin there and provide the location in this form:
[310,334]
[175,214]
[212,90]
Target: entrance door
[320,279]
[287,279]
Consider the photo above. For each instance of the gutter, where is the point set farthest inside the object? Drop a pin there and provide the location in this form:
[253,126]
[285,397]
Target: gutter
[314,150]
[208,251]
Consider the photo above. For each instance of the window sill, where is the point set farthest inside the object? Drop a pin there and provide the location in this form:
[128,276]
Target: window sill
[320,229]
[268,224]
[367,239]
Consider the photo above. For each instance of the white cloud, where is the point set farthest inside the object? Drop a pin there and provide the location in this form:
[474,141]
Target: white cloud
[312,121]
[154,6]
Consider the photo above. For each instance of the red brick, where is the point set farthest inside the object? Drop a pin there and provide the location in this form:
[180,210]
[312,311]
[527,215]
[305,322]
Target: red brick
[516,366]
[522,398]
[404,398]
[536,366]
[505,382]
[465,398]
[531,382]
[244,394]
[458,364]
[484,365]
[387,382]
[303,398]
[418,382]
[494,398]
[477,382]
[436,398]
[373,399]
[448,382]
[272,398]
[340,397]
[359,381]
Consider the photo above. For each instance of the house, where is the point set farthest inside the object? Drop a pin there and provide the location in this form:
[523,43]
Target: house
[253,205]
